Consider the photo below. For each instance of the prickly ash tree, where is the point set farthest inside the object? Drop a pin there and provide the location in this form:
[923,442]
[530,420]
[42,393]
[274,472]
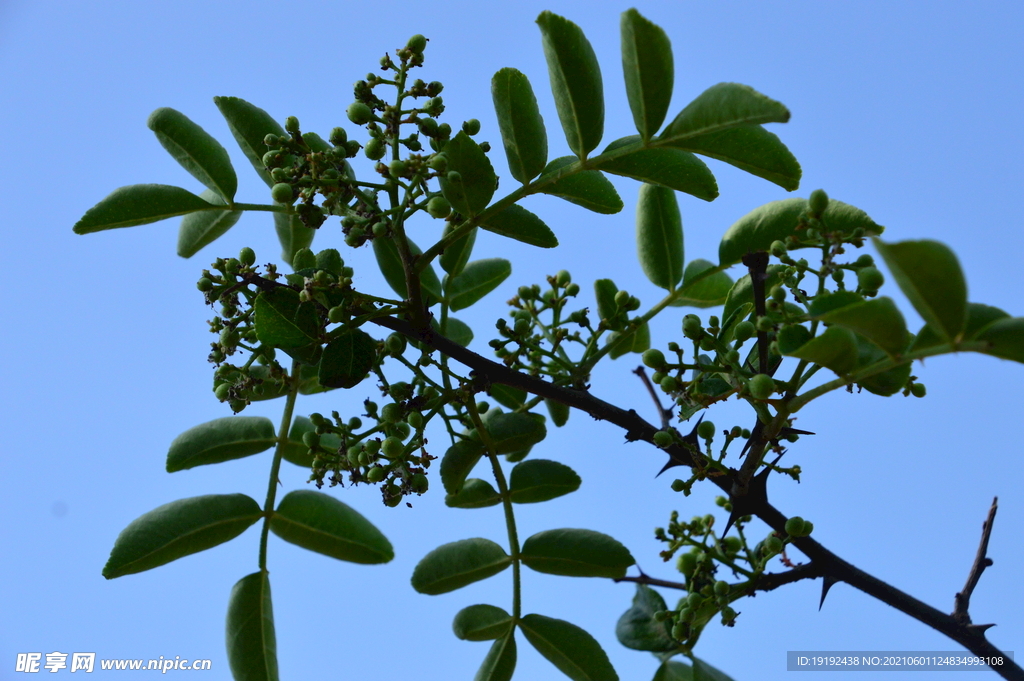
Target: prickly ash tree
[803,319]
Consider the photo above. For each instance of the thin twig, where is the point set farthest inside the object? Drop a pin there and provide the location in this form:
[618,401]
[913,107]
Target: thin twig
[665,414]
[981,561]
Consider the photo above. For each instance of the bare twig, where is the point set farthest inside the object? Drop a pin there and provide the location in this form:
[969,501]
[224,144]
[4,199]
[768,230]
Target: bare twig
[981,561]
[665,414]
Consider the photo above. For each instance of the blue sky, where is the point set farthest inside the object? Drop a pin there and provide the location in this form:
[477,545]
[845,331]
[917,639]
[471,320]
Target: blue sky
[909,110]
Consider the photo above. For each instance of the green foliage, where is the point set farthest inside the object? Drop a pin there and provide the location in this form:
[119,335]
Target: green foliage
[781,314]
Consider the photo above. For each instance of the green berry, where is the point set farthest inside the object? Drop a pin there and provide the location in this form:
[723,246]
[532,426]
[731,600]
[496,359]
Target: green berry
[222,391]
[621,299]
[247,256]
[653,358]
[415,420]
[471,127]
[686,614]
[391,413]
[454,176]
[291,124]
[339,137]
[870,278]
[692,327]
[743,331]
[764,324]
[669,384]
[395,344]
[679,631]
[773,545]
[438,162]
[686,563]
[439,207]
[818,202]
[761,386]
[918,390]
[706,430]
[694,600]
[732,544]
[678,485]
[204,284]
[392,447]
[419,483]
[311,440]
[663,438]
[372,447]
[282,193]
[864,260]
[416,44]
[808,528]
[359,113]
[728,615]
[778,249]
[374,149]
[376,474]
[721,588]
[795,526]
[396,168]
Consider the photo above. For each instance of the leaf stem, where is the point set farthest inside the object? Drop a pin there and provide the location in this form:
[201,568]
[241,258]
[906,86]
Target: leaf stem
[275,467]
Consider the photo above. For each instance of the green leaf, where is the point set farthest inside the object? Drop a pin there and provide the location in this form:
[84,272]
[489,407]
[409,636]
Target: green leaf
[670,168]
[979,317]
[540,480]
[479,278]
[625,342]
[1005,338]
[515,222]
[390,264]
[276,321]
[587,188]
[197,152]
[672,670]
[292,235]
[232,437]
[520,123]
[835,349]
[751,148]
[724,106]
[453,566]
[251,643]
[778,220]
[458,462]
[885,383]
[507,396]
[576,553]
[179,529]
[878,320]
[575,652]
[458,332]
[702,671]
[471,194]
[825,303]
[742,293]
[500,663]
[647,66]
[659,236]
[201,229]
[558,411]
[347,359]
[321,523]
[515,431]
[711,291]
[604,292]
[139,204]
[475,493]
[481,623]
[929,275]
[454,258]
[575,82]
[250,124]
[637,628]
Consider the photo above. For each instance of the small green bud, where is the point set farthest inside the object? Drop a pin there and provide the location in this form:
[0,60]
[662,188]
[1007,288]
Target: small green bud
[808,528]
[438,162]
[380,230]
[918,390]
[728,614]
[663,438]
[374,149]
[765,324]
[694,600]
[330,260]
[838,276]
[438,207]
[678,485]
[732,544]
[454,176]
[778,293]
[679,631]
[359,113]
[471,127]
[282,193]
[870,278]
[415,420]
[743,331]
[222,391]
[686,614]
[761,386]
[621,299]
[653,358]
[572,290]
[271,140]
[818,202]
[563,278]
[372,447]
[291,124]
[376,474]
[395,344]
[657,377]
[706,430]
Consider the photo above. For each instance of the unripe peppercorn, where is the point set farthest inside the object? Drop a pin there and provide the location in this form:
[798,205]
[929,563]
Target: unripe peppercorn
[471,127]
[247,256]
[359,113]
[870,278]
[291,124]
[761,386]
[392,447]
[864,260]
[282,193]
[721,588]
[678,485]
[415,420]
[706,430]
[778,249]
[572,290]
[918,390]
[376,474]
[795,526]
[204,285]
[818,202]
[419,483]
[653,358]
[773,545]
[416,44]
[395,344]
[663,438]
[339,137]
[692,327]
[764,324]
[621,299]
[374,149]
[222,391]
[743,331]
[686,563]
[669,384]
[438,207]
[311,439]
[391,413]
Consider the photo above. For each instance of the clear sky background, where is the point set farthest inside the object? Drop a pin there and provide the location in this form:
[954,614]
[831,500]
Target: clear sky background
[909,110]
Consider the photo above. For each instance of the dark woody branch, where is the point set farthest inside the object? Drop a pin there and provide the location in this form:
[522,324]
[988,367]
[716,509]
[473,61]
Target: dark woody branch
[831,567]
